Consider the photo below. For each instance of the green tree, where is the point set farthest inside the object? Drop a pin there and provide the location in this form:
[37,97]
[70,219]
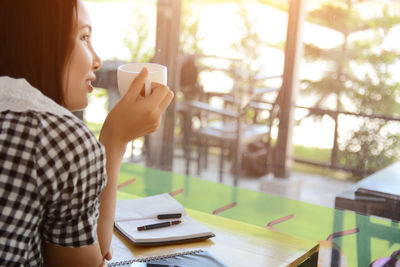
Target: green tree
[248,49]
[359,74]
[190,36]
[137,37]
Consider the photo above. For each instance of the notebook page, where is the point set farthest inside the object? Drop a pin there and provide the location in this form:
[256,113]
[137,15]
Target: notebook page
[147,208]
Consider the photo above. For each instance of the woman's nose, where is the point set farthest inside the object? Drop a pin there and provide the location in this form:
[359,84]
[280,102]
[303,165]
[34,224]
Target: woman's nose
[97,63]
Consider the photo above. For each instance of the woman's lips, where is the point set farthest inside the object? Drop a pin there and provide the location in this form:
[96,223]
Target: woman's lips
[89,83]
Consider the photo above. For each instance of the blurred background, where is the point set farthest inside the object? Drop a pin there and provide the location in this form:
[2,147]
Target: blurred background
[347,103]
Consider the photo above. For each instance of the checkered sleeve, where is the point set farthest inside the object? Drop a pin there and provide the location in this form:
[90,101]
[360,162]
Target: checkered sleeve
[71,172]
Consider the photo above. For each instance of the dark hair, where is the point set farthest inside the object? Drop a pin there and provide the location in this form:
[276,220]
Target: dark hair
[36,41]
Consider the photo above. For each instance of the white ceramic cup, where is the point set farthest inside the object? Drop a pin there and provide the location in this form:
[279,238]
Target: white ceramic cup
[127,73]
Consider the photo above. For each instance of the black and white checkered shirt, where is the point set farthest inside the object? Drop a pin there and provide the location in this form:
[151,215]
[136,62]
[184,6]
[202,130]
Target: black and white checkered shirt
[52,170]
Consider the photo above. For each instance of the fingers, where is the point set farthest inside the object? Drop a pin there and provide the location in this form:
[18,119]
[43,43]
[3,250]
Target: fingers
[153,86]
[109,254]
[166,101]
[161,97]
[138,84]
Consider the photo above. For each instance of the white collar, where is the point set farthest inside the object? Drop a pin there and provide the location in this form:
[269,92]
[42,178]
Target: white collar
[18,95]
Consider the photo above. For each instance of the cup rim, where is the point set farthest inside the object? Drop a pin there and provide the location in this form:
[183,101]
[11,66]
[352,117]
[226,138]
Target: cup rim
[158,67]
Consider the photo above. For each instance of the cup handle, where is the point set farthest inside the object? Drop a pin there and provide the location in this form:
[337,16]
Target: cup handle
[147,87]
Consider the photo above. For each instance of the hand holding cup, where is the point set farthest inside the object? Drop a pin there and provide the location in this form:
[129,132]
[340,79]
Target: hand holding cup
[135,116]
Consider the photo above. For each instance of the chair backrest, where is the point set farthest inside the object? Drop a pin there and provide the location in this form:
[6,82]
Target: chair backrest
[189,85]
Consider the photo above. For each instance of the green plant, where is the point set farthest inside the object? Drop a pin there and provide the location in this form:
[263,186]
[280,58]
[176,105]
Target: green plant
[360,75]
[190,36]
[248,48]
[136,38]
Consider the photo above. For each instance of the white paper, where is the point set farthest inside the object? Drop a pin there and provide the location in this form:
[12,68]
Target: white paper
[147,208]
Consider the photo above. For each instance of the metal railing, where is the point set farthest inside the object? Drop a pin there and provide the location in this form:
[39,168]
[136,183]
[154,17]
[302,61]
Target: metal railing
[333,164]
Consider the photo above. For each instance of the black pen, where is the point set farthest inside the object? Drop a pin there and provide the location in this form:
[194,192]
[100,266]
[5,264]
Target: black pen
[158,225]
[169,216]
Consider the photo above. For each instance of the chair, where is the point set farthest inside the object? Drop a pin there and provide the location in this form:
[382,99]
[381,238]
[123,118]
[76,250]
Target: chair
[226,129]
[375,195]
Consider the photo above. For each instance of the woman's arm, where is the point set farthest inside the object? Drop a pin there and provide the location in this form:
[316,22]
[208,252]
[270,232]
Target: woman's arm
[65,256]
[132,117]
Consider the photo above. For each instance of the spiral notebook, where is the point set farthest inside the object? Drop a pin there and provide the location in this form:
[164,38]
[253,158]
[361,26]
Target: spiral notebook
[133,213]
[193,258]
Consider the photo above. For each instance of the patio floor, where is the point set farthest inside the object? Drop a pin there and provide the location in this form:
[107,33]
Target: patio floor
[315,189]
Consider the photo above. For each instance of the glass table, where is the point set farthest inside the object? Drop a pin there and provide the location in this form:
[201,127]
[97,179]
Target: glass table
[343,234]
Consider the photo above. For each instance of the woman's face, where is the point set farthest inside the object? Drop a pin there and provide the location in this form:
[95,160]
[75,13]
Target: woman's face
[83,62]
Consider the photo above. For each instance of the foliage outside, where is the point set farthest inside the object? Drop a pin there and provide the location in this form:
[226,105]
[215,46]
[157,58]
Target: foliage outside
[190,37]
[137,37]
[360,81]
[248,48]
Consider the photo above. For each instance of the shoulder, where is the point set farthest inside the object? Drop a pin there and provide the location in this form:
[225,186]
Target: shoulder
[48,126]
[68,140]
[61,122]
[65,128]
[49,137]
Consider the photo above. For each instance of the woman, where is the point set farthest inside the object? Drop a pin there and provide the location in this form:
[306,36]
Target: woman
[57,182]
